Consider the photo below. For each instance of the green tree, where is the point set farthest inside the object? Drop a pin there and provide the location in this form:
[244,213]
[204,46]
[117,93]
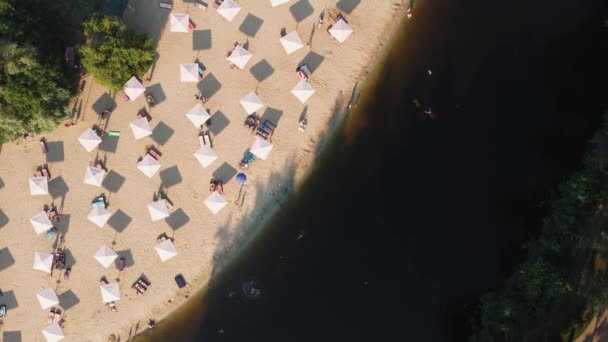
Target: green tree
[113,53]
[32,95]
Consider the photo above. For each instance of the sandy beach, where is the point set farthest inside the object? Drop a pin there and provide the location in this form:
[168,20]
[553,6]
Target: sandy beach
[204,241]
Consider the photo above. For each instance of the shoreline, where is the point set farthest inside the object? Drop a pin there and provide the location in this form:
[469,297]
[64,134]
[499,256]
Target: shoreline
[367,78]
[244,223]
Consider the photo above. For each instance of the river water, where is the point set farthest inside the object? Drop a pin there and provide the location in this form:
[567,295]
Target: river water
[407,220]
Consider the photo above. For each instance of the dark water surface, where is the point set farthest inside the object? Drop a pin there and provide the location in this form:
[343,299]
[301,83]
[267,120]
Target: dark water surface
[407,220]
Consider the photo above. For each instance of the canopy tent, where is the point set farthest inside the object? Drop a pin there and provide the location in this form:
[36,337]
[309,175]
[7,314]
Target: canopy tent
[41,222]
[53,333]
[99,215]
[141,128]
[239,57]
[105,256]
[149,165]
[291,42]
[158,210]
[275,3]
[303,90]
[205,155]
[188,72]
[43,261]
[261,147]
[39,186]
[215,202]
[109,292]
[133,88]
[251,102]
[198,115]
[89,140]
[166,250]
[340,30]
[179,22]
[47,298]
[229,9]
[94,176]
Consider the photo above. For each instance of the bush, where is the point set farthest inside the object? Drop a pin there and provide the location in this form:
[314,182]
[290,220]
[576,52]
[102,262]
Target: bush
[113,53]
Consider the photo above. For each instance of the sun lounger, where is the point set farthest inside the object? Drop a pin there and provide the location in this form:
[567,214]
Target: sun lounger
[166,4]
[54,316]
[208,140]
[303,72]
[43,146]
[121,264]
[252,123]
[45,173]
[59,259]
[2,311]
[51,213]
[100,201]
[219,187]
[51,232]
[217,3]
[151,100]
[103,281]
[201,140]
[200,5]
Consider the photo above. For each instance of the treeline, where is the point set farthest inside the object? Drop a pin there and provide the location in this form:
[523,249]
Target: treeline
[36,83]
[563,282]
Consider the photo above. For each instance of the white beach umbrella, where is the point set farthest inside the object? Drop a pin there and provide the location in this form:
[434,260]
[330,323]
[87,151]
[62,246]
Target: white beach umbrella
[47,298]
[179,22]
[105,256]
[205,155]
[149,165]
[239,57]
[198,115]
[215,202]
[291,42]
[166,250]
[43,261]
[39,186]
[251,102]
[89,140]
[109,292]
[133,88]
[188,72]
[261,147]
[94,176]
[229,9]
[53,333]
[141,128]
[158,210]
[275,3]
[41,222]
[303,90]
[340,31]
[99,215]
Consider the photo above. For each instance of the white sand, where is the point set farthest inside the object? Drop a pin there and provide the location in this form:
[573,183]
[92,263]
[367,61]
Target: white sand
[203,241]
